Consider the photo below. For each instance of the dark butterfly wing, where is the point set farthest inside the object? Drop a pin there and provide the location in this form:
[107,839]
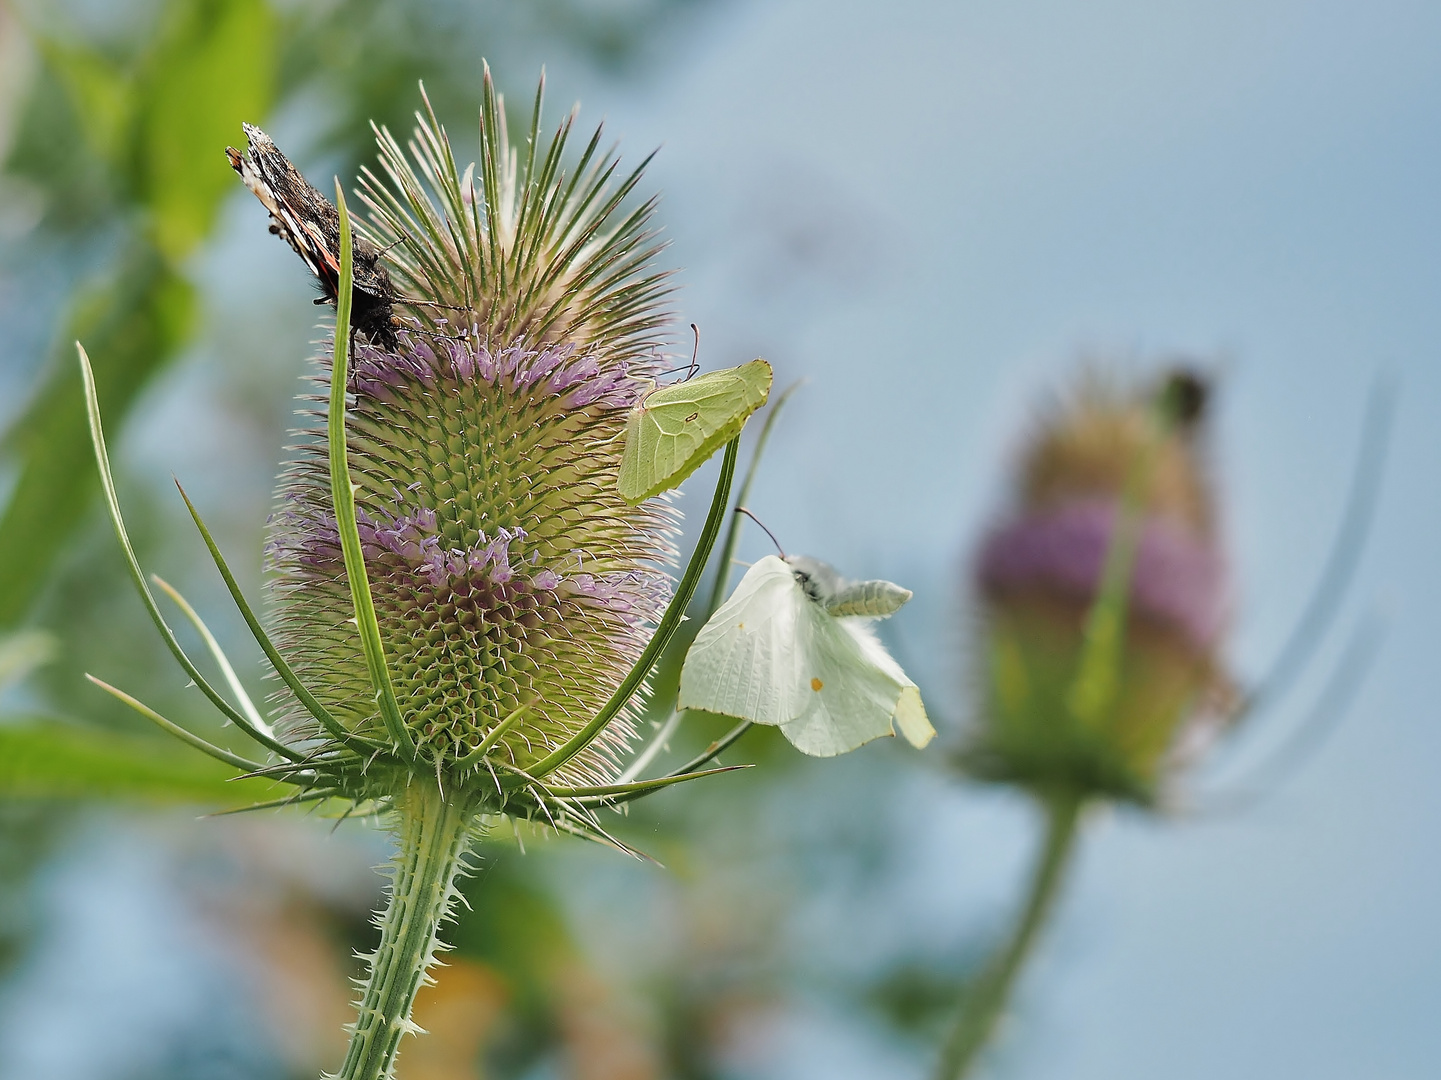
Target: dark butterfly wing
[310,224]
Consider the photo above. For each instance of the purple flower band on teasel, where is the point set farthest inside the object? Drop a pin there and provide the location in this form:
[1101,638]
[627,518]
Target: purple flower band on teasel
[636,597]
[411,543]
[1179,578]
[580,379]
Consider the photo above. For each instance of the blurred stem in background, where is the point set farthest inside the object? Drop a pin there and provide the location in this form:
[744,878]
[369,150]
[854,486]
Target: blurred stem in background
[984,1001]
[1103,598]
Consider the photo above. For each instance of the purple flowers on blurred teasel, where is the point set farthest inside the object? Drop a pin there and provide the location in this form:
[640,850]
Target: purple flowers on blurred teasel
[1179,581]
[1109,457]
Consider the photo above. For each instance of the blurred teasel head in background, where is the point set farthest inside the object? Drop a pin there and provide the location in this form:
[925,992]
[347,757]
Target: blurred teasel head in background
[1076,695]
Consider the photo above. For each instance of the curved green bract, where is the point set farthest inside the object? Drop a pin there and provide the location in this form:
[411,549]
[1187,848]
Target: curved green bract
[137,575]
[343,493]
[674,429]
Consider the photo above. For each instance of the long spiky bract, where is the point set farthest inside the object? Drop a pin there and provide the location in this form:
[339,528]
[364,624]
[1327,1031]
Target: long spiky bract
[463,607]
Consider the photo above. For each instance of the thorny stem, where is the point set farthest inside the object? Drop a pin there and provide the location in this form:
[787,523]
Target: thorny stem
[433,839]
[984,1001]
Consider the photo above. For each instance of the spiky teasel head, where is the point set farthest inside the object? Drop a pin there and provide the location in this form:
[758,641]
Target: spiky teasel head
[511,583]
[1103,597]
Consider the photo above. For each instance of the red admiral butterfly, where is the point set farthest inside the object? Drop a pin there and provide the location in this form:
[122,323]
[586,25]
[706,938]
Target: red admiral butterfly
[310,224]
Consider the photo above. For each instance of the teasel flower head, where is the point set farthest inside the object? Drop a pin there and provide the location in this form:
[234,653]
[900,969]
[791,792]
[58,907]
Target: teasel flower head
[464,607]
[1103,596]
[508,576]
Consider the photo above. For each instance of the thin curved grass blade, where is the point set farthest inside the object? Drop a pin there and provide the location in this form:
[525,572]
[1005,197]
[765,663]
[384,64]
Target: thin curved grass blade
[137,575]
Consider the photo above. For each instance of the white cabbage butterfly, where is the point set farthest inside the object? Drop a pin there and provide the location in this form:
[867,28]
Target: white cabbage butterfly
[793,647]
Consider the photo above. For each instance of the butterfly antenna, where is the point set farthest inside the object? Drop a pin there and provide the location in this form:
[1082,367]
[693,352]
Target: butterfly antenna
[693,368]
[762,524]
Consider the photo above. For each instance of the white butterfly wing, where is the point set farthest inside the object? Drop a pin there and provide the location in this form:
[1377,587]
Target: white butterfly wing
[747,661]
[910,714]
[773,655]
[854,689]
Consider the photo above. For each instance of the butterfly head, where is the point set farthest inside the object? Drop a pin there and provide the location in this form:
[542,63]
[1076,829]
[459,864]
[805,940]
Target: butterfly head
[843,598]
[819,580]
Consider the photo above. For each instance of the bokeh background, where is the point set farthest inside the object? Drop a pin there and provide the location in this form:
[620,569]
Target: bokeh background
[932,212]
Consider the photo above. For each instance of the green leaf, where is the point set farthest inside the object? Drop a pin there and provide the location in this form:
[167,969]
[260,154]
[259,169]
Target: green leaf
[103,97]
[213,67]
[159,132]
[49,760]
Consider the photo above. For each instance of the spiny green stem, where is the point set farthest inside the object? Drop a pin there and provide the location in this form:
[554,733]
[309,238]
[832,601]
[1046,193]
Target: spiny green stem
[433,840]
[984,1001]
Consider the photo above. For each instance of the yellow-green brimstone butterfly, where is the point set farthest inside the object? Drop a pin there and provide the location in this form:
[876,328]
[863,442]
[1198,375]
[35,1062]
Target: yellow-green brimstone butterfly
[674,429]
[793,647]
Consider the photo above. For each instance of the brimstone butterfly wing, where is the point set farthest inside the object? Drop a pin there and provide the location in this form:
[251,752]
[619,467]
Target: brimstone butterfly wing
[789,648]
[674,429]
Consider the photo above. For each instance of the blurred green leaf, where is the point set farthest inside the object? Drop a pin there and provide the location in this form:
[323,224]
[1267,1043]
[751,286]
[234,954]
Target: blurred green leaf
[214,67]
[47,760]
[159,127]
[102,94]
[22,652]
[132,324]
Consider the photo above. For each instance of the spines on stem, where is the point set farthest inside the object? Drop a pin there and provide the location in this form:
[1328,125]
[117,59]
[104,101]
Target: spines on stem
[434,837]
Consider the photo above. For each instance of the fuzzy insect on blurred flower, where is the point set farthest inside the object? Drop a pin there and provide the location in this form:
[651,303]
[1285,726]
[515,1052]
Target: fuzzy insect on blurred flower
[466,598]
[1102,598]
